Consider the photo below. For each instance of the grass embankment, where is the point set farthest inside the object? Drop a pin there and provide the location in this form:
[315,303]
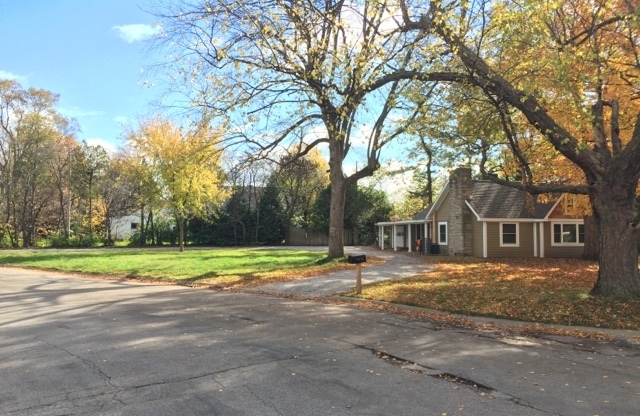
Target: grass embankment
[223,267]
[536,290]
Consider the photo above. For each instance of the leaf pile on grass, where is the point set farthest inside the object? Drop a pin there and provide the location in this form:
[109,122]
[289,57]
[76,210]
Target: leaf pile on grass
[538,290]
[220,267]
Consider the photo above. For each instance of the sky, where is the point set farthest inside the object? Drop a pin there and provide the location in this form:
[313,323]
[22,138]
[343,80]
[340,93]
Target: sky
[92,53]
[95,55]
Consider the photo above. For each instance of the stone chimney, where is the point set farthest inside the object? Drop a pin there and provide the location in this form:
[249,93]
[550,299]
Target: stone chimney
[460,225]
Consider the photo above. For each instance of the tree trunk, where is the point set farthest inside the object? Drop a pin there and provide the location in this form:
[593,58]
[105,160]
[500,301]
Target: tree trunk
[154,233]
[107,225]
[591,251]
[336,217]
[181,234]
[143,236]
[618,274]
[287,231]
[257,236]
[339,187]
[91,207]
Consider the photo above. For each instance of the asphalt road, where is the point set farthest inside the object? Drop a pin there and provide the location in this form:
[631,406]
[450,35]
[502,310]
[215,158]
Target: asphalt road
[73,346]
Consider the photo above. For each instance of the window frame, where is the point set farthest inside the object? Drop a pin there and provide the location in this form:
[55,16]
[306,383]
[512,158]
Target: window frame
[502,243]
[562,224]
[446,233]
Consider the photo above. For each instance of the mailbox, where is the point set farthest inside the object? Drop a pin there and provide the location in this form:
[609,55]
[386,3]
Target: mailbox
[357,258]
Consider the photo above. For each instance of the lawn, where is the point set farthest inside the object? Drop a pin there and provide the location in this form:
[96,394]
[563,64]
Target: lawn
[537,290]
[223,267]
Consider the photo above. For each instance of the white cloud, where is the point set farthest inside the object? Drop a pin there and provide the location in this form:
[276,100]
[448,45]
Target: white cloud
[11,75]
[75,112]
[136,32]
[108,146]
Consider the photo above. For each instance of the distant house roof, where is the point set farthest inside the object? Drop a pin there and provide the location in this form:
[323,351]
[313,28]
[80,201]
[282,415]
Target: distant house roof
[543,208]
[422,215]
[492,200]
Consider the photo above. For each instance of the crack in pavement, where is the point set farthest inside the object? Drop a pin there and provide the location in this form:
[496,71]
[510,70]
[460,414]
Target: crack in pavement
[263,401]
[122,389]
[481,389]
[227,370]
[94,366]
[523,403]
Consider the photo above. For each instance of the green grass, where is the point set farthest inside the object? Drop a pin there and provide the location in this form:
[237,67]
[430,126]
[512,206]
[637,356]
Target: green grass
[224,267]
[552,291]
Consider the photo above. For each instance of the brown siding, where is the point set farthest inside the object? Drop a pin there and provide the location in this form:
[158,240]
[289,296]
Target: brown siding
[443,216]
[445,208]
[525,239]
[559,251]
[575,213]
[477,238]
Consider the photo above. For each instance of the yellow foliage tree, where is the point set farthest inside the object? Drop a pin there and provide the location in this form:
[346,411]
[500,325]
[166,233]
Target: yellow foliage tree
[570,69]
[184,163]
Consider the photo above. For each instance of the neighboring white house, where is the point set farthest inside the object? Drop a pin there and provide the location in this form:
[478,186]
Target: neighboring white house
[123,228]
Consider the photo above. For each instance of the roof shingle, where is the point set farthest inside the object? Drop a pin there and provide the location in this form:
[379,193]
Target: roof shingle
[491,200]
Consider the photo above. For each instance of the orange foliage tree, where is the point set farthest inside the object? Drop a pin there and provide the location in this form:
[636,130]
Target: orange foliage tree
[570,69]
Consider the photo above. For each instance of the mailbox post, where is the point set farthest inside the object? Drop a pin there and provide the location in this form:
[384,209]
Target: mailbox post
[358,259]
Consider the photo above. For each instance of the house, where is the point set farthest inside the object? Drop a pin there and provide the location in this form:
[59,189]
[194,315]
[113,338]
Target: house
[123,228]
[484,219]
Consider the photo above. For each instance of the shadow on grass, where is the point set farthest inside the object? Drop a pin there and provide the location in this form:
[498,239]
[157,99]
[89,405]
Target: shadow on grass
[229,267]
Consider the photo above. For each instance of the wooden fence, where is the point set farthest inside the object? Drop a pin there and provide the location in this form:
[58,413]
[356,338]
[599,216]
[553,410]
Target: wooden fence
[309,237]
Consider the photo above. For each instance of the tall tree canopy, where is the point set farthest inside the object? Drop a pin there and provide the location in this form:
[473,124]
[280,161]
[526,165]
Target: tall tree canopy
[300,182]
[570,69]
[276,68]
[31,135]
[91,167]
[185,163]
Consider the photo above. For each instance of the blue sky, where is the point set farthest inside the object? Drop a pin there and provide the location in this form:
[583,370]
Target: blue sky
[93,54]
[90,52]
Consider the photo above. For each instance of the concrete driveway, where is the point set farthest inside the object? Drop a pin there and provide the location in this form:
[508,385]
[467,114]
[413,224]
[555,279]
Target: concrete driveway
[396,266]
[73,346]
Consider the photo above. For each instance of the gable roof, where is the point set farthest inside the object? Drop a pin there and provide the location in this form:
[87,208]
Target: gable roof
[544,209]
[491,200]
[439,200]
[422,215]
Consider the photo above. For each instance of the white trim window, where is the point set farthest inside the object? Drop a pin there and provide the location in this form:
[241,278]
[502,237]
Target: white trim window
[567,234]
[509,234]
[443,233]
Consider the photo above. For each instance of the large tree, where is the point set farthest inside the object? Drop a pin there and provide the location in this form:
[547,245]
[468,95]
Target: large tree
[570,68]
[276,68]
[62,173]
[91,166]
[300,182]
[184,162]
[30,133]
[117,190]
